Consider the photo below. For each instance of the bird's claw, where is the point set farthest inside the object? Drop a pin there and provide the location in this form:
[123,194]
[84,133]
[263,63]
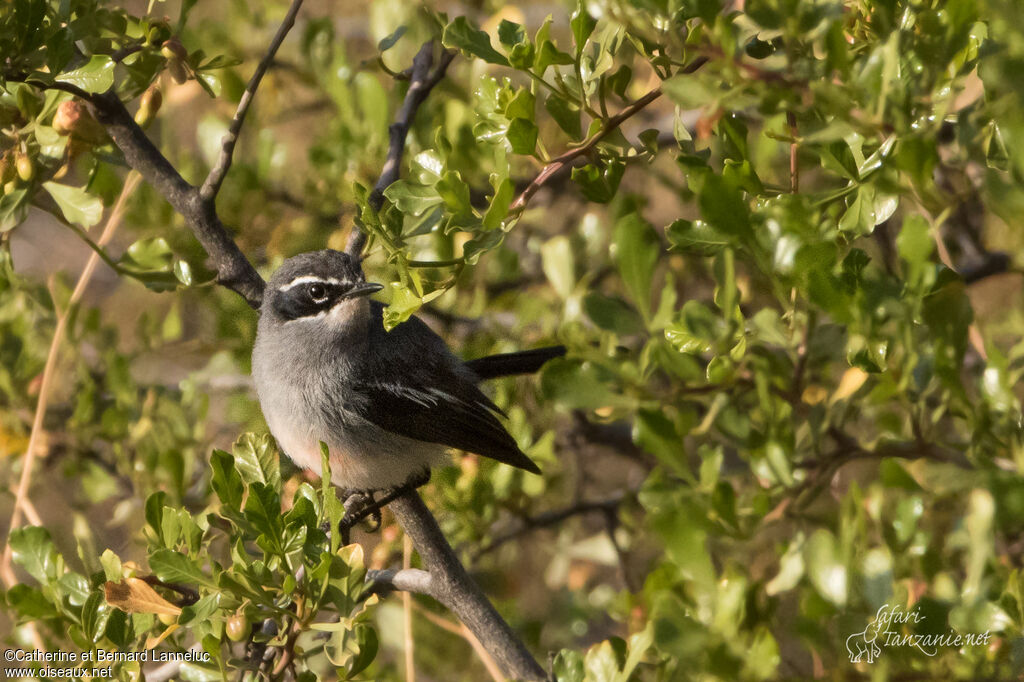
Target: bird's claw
[362,504]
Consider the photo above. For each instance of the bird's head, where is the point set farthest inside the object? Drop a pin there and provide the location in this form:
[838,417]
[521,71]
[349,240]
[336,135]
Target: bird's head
[319,286]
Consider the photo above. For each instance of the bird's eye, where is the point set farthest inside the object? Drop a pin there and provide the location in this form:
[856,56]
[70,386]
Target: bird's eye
[317,292]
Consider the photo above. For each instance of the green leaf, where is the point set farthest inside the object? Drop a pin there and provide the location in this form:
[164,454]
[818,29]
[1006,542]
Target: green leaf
[221,61]
[582,385]
[568,666]
[455,193]
[263,510]
[33,550]
[174,567]
[657,434]
[599,183]
[471,40]
[612,314]
[411,198]
[30,603]
[825,568]
[504,192]
[226,481]
[915,243]
[548,54]
[791,569]
[559,265]
[13,209]
[565,113]
[723,207]
[638,646]
[866,210]
[183,271]
[510,33]
[77,205]
[636,248]
[111,564]
[696,236]
[148,255]
[256,460]
[692,91]
[403,304]
[389,41]
[522,135]
[97,75]
[582,25]
[522,105]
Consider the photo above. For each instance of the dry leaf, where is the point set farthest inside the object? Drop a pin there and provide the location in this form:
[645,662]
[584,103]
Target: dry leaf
[851,382]
[153,642]
[136,596]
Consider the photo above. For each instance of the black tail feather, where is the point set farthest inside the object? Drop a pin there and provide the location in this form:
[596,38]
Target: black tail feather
[509,364]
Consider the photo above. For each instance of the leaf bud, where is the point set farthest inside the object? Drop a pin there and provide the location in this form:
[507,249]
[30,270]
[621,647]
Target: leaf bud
[149,105]
[26,169]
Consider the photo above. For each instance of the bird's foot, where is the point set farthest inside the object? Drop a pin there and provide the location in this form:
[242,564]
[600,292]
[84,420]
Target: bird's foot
[363,504]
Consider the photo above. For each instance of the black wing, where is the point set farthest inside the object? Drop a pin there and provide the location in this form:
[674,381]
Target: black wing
[415,387]
[462,418]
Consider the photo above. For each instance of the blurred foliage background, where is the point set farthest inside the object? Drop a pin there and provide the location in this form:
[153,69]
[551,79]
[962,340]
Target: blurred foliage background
[790,287]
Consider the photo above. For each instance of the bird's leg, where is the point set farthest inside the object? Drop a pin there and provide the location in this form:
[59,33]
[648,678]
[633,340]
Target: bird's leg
[361,505]
[358,503]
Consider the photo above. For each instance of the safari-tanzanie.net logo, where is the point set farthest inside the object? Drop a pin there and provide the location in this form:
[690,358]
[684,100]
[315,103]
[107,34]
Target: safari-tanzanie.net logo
[884,631]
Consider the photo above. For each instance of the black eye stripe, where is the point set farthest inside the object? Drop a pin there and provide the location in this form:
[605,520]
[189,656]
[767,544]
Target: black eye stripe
[296,302]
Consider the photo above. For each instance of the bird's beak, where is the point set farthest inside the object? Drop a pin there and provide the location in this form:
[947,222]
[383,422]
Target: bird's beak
[363,289]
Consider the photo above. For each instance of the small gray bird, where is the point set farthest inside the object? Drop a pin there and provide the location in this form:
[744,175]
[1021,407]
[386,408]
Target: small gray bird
[387,404]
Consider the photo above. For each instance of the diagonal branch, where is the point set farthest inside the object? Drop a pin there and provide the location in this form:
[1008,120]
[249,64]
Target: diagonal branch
[609,126]
[421,82]
[234,270]
[568,157]
[227,145]
[551,518]
[448,582]
[22,504]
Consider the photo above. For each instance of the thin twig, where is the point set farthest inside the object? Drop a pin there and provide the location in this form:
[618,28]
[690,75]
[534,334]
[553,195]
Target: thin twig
[556,164]
[32,450]
[22,504]
[568,157]
[462,631]
[794,167]
[215,178]
[422,81]
[803,351]
[551,518]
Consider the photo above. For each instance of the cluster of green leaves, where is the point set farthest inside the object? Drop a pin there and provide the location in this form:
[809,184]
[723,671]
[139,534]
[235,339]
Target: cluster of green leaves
[62,166]
[244,571]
